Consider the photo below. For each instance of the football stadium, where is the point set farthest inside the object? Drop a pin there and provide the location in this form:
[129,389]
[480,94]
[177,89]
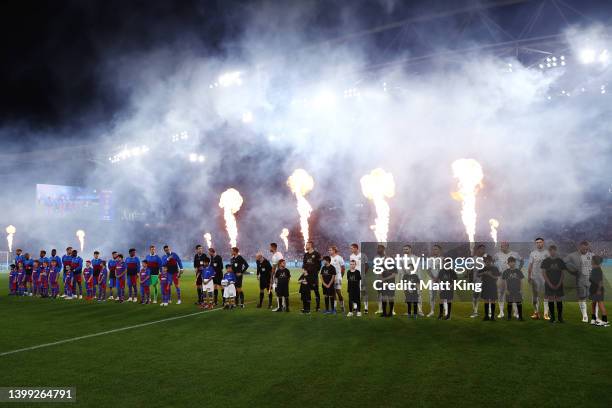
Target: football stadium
[318,202]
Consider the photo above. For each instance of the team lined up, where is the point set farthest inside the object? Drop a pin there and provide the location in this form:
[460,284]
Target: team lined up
[155,275]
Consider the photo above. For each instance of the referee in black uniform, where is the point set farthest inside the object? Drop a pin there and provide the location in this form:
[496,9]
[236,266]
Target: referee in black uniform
[264,273]
[217,263]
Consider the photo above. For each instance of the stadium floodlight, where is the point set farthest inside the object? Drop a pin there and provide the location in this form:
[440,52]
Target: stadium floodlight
[324,99]
[201,158]
[604,57]
[247,117]
[193,157]
[587,56]
[230,78]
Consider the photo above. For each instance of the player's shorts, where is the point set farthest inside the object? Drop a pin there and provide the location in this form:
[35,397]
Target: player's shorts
[282,291]
[28,278]
[133,279]
[238,282]
[229,291]
[78,278]
[331,291]
[554,293]
[338,284]
[102,287]
[537,285]
[209,287]
[112,282]
[121,282]
[217,279]
[175,279]
[154,280]
[582,287]
[264,283]
[597,297]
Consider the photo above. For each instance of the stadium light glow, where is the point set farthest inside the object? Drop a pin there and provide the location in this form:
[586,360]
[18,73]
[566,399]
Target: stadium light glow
[247,117]
[587,56]
[229,79]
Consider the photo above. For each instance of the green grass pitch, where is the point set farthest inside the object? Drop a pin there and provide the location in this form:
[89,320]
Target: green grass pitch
[253,357]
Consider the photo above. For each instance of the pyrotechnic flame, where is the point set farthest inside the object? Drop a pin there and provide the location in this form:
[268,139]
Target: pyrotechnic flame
[81,235]
[231,201]
[10,230]
[208,239]
[378,186]
[494,225]
[469,175]
[285,237]
[301,183]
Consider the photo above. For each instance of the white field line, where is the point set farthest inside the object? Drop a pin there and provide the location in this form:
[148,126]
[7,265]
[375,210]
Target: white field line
[88,336]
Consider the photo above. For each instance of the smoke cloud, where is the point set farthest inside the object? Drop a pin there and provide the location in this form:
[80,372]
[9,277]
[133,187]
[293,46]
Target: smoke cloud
[317,107]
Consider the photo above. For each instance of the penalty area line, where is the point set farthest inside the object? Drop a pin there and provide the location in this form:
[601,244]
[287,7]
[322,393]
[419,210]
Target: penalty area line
[120,329]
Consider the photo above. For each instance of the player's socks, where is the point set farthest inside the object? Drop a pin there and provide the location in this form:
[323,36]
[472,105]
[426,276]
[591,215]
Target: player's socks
[486,311]
[492,306]
[269,300]
[560,311]
[216,295]
[509,311]
[261,297]
[242,298]
[380,305]
[551,311]
[178,293]
[519,308]
[326,303]
[450,307]
[384,308]
[547,308]
[475,306]
[445,307]
[583,309]
[440,311]
[408,308]
[286,303]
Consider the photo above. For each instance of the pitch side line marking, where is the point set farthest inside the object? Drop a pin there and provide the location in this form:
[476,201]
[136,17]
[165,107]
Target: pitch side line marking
[87,336]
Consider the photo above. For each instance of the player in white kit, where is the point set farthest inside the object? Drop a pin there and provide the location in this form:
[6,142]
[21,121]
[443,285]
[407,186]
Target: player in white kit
[536,279]
[338,263]
[501,261]
[579,264]
[433,271]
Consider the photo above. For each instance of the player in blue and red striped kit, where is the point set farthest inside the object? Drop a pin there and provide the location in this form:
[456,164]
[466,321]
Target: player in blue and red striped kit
[175,268]
[41,262]
[13,280]
[28,264]
[132,264]
[19,258]
[43,280]
[164,280]
[112,277]
[88,278]
[21,279]
[96,264]
[66,261]
[145,281]
[68,280]
[53,256]
[77,271]
[120,275]
[54,271]
[102,282]
[154,262]
[34,277]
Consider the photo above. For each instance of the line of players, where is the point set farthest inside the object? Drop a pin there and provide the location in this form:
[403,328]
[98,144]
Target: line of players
[545,276]
[41,277]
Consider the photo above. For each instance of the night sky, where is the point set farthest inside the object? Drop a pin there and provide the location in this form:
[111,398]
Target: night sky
[53,51]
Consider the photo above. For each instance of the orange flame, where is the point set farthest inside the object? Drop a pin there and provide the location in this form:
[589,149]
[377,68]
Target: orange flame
[301,183]
[285,237]
[10,230]
[378,186]
[231,201]
[469,175]
[494,226]
[208,239]
[81,236]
